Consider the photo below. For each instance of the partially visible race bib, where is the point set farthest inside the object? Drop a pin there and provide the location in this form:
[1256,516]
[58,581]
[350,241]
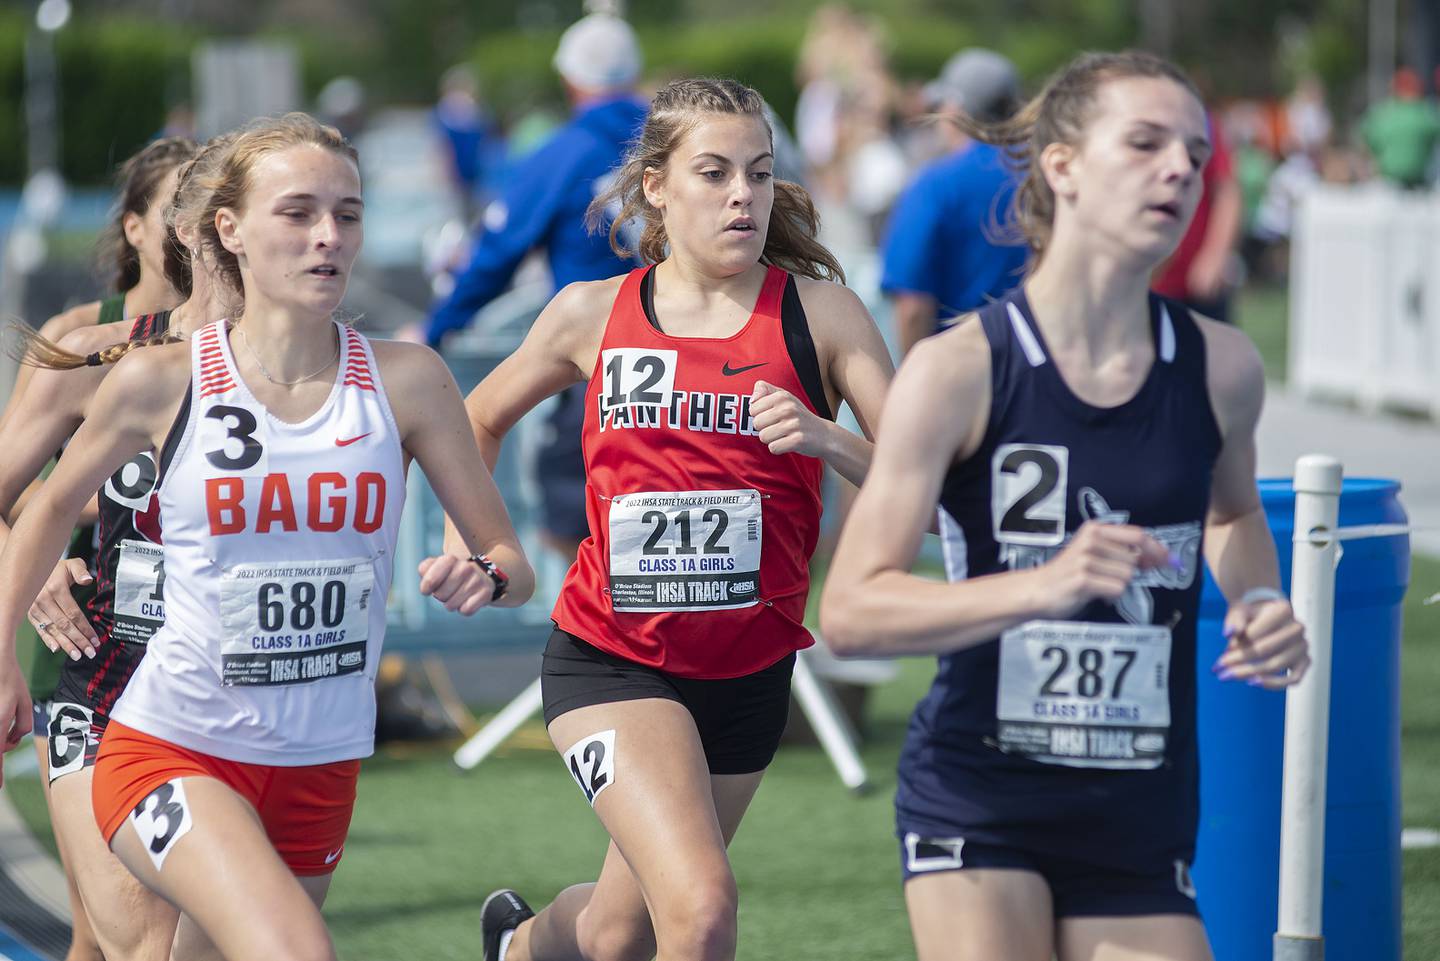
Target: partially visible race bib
[139,590]
[294,623]
[72,736]
[685,550]
[1085,695]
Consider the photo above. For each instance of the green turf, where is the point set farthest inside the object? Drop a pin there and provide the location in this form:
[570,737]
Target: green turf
[1420,758]
[1263,312]
[428,843]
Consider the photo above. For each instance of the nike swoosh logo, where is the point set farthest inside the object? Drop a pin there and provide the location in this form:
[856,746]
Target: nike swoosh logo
[333,856]
[729,371]
[350,440]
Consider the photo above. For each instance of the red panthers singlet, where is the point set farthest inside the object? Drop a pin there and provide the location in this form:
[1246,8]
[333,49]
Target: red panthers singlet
[697,562]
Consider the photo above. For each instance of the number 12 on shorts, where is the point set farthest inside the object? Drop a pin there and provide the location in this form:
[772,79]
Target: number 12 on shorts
[591,761]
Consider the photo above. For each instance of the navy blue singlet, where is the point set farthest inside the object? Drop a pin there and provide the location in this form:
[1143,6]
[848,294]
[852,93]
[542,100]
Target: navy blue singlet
[1073,738]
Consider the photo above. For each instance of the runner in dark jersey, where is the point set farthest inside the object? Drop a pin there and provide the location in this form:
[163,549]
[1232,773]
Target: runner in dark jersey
[128,921]
[1087,443]
[132,252]
[712,380]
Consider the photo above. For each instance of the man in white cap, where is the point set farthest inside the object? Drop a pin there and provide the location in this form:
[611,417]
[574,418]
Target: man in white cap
[544,207]
[944,252]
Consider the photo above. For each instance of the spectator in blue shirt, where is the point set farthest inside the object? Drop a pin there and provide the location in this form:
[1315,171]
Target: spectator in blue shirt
[544,208]
[945,249]
[472,142]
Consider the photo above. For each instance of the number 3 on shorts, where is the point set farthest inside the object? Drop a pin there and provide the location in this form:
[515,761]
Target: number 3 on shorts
[161,819]
[591,761]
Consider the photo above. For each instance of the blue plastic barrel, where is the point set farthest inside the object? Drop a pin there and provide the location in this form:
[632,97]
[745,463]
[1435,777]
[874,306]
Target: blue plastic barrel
[1241,732]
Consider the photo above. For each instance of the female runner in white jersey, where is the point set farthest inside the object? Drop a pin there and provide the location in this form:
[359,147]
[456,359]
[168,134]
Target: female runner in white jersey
[226,778]
[673,688]
[128,920]
[1025,847]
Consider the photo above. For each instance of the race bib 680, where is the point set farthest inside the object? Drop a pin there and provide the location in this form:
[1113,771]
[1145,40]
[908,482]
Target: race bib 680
[293,623]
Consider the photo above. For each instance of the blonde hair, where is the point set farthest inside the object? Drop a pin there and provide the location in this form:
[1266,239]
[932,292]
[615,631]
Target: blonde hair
[185,208]
[27,347]
[790,242]
[225,181]
[1060,113]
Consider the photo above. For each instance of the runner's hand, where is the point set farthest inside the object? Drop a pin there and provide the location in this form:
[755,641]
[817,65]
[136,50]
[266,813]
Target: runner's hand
[785,424]
[1098,564]
[1267,645]
[65,626]
[456,582]
[15,718]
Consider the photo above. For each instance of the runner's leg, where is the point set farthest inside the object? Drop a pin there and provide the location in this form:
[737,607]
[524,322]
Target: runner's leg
[83,946]
[130,922]
[226,877]
[1155,937]
[609,918]
[981,914]
[668,856]
[191,944]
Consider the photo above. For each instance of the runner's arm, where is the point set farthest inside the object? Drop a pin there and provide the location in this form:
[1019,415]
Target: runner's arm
[37,425]
[1264,643]
[856,367]
[1238,545]
[85,315]
[559,350]
[124,423]
[936,413]
[51,409]
[433,429]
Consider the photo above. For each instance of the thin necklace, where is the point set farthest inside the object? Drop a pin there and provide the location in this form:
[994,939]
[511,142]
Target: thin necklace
[284,383]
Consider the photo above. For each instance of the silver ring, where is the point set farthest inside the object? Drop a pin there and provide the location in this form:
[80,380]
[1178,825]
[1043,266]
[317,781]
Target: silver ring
[42,625]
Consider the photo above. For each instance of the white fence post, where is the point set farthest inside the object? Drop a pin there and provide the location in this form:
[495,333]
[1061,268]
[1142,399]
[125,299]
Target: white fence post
[1298,936]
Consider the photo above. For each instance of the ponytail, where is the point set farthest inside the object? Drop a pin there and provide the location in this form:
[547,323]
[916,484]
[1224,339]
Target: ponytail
[27,347]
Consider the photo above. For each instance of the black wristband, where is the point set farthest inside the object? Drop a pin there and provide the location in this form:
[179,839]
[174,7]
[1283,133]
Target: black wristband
[497,576]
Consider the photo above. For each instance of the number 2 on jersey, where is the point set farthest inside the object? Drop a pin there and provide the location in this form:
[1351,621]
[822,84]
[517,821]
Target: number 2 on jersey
[1027,494]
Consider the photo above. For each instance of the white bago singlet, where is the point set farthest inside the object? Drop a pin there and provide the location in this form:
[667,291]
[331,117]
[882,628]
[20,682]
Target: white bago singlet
[279,544]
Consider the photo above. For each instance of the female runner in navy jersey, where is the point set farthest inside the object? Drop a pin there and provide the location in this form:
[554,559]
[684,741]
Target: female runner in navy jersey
[712,378]
[1083,438]
[226,777]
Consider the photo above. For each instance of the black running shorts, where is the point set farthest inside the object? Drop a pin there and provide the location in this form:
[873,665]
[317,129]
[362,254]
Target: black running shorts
[739,719]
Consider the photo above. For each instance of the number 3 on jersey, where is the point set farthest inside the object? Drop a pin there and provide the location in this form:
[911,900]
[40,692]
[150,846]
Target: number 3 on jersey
[1027,494]
[233,439]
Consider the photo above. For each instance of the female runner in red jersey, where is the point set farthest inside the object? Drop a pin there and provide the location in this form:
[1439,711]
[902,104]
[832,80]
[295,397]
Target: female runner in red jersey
[226,778]
[713,378]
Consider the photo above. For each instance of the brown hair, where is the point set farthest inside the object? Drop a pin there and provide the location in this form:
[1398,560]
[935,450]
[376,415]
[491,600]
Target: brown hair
[1060,114]
[225,181]
[137,181]
[27,347]
[185,208]
[681,104]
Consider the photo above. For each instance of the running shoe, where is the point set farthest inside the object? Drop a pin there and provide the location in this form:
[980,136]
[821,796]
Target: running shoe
[503,910]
